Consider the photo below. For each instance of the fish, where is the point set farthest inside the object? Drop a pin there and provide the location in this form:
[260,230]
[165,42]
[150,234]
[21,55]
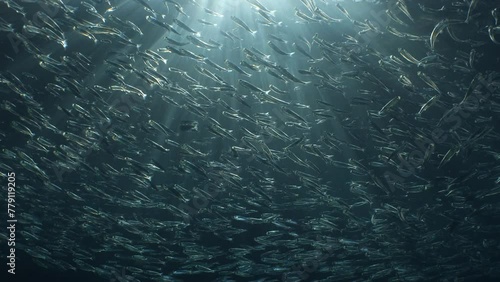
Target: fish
[472,7]
[249,66]
[407,56]
[92,11]
[252,87]
[305,41]
[438,29]
[427,104]
[187,125]
[492,31]
[243,25]
[185,27]
[427,80]
[344,11]
[389,105]
[216,66]
[293,114]
[206,22]
[304,52]
[236,68]
[305,17]
[290,76]
[213,13]
[401,4]
[277,38]
[146,6]
[269,18]
[258,6]
[200,43]
[495,15]
[176,43]
[159,23]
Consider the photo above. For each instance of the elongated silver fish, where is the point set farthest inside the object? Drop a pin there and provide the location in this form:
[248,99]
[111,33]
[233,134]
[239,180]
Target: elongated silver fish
[438,29]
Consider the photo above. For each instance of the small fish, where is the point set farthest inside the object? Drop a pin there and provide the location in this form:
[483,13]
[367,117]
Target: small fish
[438,28]
[177,43]
[344,11]
[188,125]
[242,24]
[405,54]
[251,87]
[278,50]
[159,23]
[428,81]
[208,11]
[185,27]
[496,16]
[293,114]
[428,104]
[200,43]
[304,52]
[134,27]
[492,31]
[216,66]
[472,7]
[308,44]
[236,68]
[453,151]
[258,6]
[206,22]
[305,17]
[249,66]
[274,74]
[389,105]
[279,39]
[291,77]
[404,8]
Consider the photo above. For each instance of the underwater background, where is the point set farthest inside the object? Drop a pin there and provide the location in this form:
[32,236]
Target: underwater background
[245,140]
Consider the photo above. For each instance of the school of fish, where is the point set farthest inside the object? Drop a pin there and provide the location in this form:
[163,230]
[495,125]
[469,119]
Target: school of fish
[254,140]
